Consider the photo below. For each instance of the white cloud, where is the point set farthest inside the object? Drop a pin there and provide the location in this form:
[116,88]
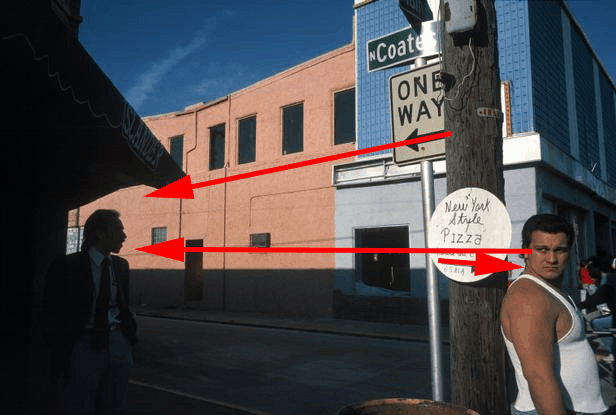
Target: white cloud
[148,80]
[221,79]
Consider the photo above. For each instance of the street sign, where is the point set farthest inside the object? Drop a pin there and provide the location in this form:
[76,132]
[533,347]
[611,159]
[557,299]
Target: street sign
[416,9]
[417,109]
[468,218]
[403,46]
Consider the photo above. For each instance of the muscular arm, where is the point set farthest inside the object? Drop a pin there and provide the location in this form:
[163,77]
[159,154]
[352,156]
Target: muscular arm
[532,319]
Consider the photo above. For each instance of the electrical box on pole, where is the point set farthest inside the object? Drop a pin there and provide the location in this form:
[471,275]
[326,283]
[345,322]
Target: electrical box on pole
[460,15]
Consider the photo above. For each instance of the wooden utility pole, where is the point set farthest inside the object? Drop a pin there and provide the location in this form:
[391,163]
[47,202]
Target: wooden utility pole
[475,159]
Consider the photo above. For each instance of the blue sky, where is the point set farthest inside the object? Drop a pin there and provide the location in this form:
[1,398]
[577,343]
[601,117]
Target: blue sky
[164,55]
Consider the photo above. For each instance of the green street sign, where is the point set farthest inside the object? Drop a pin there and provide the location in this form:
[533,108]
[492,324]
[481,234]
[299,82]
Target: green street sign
[403,46]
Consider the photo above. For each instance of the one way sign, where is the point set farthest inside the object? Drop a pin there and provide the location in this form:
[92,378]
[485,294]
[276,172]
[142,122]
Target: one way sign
[417,109]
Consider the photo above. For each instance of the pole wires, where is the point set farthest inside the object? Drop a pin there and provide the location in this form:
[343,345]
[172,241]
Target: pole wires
[439,35]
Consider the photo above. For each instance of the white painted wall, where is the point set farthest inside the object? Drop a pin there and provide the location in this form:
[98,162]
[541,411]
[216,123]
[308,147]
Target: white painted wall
[400,203]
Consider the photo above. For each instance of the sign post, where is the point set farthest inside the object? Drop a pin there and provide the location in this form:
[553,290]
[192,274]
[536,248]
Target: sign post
[432,291]
[427,192]
[416,106]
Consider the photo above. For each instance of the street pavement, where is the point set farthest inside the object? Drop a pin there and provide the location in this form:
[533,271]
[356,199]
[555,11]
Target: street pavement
[146,398]
[393,331]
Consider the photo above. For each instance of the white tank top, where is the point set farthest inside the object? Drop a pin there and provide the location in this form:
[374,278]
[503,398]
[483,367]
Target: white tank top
[575,361]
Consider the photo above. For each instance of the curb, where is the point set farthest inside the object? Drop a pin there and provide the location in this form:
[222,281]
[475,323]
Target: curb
[355,333]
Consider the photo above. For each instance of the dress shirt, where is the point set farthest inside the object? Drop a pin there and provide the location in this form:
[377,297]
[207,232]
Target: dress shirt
[96,259]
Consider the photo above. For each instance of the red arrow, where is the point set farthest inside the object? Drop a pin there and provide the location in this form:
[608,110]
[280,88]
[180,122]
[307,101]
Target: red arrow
[484,264]
[183,188]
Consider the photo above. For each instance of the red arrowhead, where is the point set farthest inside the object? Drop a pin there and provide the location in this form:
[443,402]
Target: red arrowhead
[180,189]
[487,264]
[484,264]
[173,249]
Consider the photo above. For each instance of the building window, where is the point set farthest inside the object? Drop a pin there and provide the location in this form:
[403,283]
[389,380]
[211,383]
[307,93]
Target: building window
[293,129]
[391,271]
[260,240]
[247,142]
[217,147]
[159,235]
[177,150]
[74,238]
[344,117]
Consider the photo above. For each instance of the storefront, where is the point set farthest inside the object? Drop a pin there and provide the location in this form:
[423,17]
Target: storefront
[546,166]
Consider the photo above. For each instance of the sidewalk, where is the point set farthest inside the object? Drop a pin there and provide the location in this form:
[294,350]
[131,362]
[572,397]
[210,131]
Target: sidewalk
[380,330]
[394,331]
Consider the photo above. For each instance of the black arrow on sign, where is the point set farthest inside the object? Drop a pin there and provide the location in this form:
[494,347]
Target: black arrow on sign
[411,136]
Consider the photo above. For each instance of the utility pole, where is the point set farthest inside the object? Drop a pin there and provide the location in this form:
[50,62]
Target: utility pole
[474,157]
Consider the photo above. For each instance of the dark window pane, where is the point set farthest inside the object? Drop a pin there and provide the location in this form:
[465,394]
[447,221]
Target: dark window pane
[217,147]
[260,240]
[177,150]
[159,235]
[344,117]
[293,129]
[74,238]
[247,140]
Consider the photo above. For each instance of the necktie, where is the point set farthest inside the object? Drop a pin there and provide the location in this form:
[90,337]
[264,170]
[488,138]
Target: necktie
[101,319]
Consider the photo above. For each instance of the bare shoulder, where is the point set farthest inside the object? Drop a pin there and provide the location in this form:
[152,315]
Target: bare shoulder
[526,299]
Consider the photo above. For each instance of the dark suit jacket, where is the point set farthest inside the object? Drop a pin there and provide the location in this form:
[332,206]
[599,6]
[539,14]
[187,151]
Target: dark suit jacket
[68,301]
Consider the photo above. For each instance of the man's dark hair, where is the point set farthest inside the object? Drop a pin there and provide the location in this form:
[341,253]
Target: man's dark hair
[99,220]
[548,223]
[600,264]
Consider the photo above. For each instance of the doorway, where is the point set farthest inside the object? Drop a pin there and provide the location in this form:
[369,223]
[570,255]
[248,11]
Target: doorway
[193,272]
[390,271]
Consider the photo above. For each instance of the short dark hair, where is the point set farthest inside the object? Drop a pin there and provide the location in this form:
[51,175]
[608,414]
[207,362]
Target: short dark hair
[100,219]
[601,264]
[548,223]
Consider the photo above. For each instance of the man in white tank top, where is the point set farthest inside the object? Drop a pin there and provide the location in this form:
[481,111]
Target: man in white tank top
[556,372]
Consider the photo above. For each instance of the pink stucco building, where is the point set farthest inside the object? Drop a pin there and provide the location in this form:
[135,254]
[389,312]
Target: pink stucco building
[305,112]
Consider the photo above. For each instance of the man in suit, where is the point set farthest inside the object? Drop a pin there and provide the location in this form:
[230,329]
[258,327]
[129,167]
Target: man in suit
[87,322]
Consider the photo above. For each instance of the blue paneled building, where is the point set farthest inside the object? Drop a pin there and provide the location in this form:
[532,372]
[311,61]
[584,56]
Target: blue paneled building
[559,136]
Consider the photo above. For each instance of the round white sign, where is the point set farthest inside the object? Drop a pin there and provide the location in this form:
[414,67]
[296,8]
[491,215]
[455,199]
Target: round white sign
[469,218]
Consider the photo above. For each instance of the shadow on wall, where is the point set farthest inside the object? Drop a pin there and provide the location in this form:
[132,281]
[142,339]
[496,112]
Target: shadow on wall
[288,292]
[356,300]
[402,309]
[297,293]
